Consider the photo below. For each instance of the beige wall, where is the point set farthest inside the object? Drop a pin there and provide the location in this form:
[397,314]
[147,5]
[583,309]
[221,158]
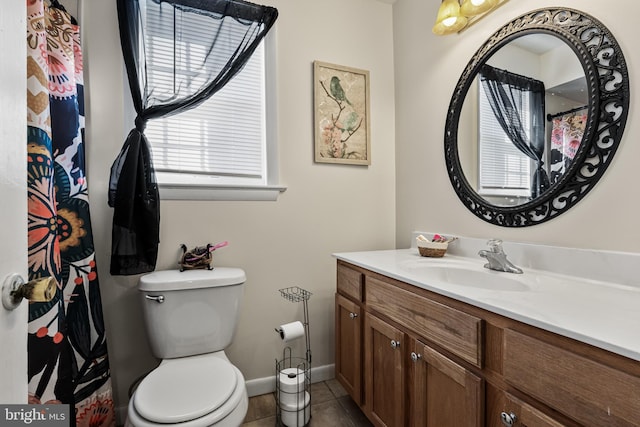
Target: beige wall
[326,208]
[427,69]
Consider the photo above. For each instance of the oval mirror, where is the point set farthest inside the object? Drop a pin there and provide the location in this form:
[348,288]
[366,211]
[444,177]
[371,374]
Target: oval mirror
[536,117]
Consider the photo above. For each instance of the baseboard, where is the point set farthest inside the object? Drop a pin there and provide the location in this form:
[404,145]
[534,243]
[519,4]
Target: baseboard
[121,414]
[266,385]
[255,387]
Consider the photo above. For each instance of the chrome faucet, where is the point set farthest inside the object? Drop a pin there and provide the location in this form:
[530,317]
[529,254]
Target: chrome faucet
[497,258]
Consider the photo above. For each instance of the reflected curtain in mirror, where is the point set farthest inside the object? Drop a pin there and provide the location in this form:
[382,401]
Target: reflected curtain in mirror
[205,44]
[566,134]
[506,92]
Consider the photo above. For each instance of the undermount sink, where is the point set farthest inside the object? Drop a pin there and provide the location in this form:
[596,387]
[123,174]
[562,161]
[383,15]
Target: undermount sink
[484,279]
[468,274]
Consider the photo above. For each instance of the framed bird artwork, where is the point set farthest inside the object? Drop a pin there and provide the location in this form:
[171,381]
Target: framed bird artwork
[341,114]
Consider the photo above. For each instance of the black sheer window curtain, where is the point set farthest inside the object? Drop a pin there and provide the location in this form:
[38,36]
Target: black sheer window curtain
[229,31]
[505,91]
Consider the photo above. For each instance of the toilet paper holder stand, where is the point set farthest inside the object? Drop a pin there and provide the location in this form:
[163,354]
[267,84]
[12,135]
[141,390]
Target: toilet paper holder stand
[293,406]
[297,294]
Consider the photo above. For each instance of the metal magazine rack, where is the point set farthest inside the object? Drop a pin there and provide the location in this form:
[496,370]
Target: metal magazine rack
[293,374]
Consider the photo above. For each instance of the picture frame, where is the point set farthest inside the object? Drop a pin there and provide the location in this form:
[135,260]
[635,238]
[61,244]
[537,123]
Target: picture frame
[342,125]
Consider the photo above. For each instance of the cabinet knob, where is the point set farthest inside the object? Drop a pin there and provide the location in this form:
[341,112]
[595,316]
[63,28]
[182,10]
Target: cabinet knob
[353,315]
[509,420]
[415,357]
[395,344]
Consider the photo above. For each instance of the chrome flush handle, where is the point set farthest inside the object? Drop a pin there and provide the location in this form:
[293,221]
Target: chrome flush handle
[157,298]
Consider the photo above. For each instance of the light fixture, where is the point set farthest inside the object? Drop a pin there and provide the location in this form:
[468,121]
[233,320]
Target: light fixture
[477,7]
[454,17]
[449,19]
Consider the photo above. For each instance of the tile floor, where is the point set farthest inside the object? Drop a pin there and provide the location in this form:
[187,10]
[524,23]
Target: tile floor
[331,406]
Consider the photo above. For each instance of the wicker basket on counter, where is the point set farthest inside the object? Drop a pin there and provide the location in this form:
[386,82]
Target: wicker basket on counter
[432,249]
[431,252]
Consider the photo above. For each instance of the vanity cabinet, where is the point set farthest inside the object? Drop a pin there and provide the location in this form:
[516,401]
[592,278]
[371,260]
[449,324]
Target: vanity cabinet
[411,357]
[394,376]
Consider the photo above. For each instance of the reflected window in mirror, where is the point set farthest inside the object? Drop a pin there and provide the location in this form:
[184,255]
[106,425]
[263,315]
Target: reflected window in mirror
[511,137]
[504,173]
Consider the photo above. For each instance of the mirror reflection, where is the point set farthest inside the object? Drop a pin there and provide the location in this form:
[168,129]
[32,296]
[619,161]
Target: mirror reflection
[523,120]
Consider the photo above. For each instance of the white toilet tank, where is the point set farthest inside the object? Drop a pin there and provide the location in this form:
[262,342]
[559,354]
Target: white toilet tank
[191,312]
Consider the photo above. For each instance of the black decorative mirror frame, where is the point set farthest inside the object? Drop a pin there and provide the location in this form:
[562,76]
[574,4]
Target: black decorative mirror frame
[608,93]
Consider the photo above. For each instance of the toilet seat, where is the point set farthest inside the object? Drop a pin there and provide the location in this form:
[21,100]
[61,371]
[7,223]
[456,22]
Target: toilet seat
[191,391]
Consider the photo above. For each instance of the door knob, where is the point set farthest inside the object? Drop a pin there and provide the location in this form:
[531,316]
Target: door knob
[415,356]
[395,344]
[353,315]
[14,290]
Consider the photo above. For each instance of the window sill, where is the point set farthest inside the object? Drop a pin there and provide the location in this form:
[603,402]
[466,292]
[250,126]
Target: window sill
[220,192]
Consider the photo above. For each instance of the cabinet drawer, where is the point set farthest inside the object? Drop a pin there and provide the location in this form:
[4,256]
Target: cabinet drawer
[350,282]
[451,329]
[587,391]
[526,415]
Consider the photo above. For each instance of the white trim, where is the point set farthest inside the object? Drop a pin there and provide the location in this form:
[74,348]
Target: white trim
[266,385]
[226,193]
[271,106]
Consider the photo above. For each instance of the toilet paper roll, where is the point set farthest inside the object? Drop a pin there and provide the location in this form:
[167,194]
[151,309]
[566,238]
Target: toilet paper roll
[296,415]
[292,387]
[291,331]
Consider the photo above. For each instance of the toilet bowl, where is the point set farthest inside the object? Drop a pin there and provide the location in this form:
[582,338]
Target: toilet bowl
[190,318]
[196,391]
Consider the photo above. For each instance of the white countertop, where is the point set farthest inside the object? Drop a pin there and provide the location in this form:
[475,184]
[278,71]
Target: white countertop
[606,315]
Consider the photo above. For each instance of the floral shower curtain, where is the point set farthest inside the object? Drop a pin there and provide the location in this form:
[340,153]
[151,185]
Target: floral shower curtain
[67,347]
[566,135]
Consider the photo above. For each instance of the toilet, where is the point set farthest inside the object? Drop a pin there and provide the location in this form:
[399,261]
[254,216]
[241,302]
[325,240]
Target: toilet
[190,318]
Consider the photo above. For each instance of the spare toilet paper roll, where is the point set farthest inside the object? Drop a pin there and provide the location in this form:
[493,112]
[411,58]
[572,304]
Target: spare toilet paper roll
[291,331]
[298,414]
[291,381]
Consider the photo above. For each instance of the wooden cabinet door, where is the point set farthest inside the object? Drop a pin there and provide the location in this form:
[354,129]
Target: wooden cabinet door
[348,347]
[383,372]
[442,392]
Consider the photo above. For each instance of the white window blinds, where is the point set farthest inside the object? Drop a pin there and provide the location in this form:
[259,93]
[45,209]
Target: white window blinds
[504,170]
[223,137]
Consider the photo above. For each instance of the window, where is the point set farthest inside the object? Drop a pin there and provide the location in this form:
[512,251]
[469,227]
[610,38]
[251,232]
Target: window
[223,144]
[504,170]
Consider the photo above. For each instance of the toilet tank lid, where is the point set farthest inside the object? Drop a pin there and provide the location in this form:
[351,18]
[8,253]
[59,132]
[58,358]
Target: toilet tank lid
[169,280]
